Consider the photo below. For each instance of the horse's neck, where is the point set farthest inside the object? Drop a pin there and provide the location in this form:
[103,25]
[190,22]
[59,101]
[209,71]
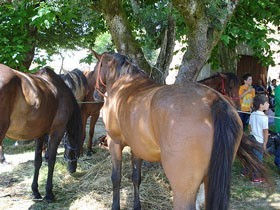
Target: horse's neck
[213,83]
[131,82]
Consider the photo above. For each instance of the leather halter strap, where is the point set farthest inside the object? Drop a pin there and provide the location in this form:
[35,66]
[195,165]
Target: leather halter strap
[99,79]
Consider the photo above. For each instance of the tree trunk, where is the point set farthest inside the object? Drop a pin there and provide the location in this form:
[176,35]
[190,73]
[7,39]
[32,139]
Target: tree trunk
[29,58]
[205,27]
[121,32]
[166,51]
[126,44]
[227,58]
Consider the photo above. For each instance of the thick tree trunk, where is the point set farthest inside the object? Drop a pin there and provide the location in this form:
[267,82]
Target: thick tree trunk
[121,32]
[205,28]
[166,51]
[126,44]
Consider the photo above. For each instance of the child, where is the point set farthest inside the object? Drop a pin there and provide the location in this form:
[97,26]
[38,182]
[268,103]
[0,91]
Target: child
[258,127]
[246,95]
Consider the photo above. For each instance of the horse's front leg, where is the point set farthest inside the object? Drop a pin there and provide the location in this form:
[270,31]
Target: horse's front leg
[116,155]
[136,179]
[2,157]
[54,141]
[37,165]
[93,121]
[3,129]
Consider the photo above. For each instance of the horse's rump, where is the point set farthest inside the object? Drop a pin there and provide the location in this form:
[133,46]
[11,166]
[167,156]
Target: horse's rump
[77,82]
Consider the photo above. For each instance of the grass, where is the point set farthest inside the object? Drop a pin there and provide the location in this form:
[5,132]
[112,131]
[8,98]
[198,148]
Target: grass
[90,187]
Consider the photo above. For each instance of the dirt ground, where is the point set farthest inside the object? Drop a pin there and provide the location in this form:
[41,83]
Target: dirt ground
[91,188]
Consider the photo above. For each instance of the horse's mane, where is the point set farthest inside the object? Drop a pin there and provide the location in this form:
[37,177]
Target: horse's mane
[126,66]
[69,78]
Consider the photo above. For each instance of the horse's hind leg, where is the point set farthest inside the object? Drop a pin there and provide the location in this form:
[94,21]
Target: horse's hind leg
[93,121]
[54,141]
[37,164]
[116,155]
[136,179]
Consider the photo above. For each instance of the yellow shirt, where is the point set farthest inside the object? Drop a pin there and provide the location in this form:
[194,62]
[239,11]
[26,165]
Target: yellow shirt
[247,101]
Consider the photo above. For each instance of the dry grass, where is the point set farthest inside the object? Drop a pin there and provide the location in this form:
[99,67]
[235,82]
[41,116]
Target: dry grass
[90,187]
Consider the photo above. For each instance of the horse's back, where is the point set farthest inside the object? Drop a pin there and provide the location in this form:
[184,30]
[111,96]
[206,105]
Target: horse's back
[77,82]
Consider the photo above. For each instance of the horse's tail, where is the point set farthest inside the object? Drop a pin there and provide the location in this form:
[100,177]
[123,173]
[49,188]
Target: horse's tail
[249,159]
[227,135]
[74,128]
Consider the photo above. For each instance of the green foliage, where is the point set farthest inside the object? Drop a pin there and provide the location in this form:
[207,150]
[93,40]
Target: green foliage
[149,22]
[47,25]
[102,43]
[252,24]
[15,40]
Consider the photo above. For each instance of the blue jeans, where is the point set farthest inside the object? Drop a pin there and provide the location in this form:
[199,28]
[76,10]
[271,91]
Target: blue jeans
[277,151]
[245,119]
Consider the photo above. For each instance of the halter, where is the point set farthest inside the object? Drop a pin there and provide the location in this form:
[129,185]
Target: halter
[66,157]
[97,87]
[223,91]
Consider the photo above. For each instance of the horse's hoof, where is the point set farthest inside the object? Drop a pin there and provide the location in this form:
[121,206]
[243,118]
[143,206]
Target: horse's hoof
[36,196]
[49,198]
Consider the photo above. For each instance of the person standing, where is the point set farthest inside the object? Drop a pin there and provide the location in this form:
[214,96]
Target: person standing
[271,93]
[277,126]
[246,95]
[258,127]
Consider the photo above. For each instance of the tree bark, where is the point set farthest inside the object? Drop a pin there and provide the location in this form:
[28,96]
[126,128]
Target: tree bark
[121,32]
[227,58]
[204,31]
[166,51]
[126,44]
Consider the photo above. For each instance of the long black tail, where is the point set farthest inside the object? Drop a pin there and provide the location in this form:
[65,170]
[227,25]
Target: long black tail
[227,135]
[74,129]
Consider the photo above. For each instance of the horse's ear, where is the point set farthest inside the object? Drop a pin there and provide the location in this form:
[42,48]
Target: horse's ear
[222,75]
[98,56]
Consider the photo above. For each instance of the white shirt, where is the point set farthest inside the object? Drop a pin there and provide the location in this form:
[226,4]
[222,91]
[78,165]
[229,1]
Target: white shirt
[258,122]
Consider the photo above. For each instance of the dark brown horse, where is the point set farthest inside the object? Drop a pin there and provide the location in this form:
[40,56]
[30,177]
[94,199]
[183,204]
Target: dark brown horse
[227,84]
[33,106]
[190,128]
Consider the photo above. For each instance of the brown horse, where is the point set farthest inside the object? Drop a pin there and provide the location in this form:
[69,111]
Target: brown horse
[33,106]
[153,120]
[82,84]
[90,108]
[227,84]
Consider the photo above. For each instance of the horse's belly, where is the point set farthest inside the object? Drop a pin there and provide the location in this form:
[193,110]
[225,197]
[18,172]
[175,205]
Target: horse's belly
[25,131]
[28,124]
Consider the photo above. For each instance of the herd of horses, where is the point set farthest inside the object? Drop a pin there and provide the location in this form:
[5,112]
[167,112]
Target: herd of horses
[193,129]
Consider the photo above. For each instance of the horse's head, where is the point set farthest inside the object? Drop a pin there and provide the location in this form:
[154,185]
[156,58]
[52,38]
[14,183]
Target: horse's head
[227,84]
[101,73]
[230,88]
[71,155]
